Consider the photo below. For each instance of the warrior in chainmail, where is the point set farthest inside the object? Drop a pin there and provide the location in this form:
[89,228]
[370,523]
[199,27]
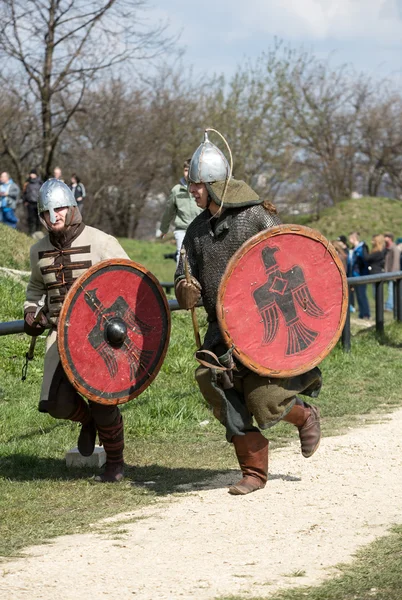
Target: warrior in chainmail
[57,260]
[233,214]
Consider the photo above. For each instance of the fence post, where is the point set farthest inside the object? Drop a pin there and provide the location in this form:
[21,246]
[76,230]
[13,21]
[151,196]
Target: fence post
[394,298]
[346,332]
[379,307]
[398,299]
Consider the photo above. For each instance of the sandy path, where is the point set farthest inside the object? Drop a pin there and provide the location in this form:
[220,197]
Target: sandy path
[312,515]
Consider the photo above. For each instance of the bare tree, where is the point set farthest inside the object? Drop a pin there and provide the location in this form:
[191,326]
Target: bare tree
[247,109]
[380,145]
[321,107]
[59,47]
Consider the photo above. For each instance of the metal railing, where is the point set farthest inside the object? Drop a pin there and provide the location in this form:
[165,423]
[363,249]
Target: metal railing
[378,282]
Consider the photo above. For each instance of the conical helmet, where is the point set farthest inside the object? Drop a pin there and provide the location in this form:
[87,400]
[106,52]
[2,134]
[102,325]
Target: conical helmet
[54,194]
[208,164]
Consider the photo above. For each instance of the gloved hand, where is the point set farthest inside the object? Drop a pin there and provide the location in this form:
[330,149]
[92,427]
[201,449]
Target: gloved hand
[188,294]
[42,321]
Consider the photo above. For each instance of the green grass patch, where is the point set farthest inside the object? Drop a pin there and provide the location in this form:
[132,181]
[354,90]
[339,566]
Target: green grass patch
[14,253]
[366,215]
[167,439]
[375,574]
[150,254]
[14,248]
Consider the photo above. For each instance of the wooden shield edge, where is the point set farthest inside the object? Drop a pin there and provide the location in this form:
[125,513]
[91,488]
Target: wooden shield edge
[61,339]
[256,239]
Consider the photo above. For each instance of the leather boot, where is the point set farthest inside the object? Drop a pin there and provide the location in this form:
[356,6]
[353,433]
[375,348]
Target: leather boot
[113,473]
[307,419]
[252,454]
[112,438]
[87,438]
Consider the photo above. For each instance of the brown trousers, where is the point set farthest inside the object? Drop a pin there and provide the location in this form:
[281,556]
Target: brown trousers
[64,402]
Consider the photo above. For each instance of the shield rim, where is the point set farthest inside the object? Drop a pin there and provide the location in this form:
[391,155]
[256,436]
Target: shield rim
[61,343]
[248,245]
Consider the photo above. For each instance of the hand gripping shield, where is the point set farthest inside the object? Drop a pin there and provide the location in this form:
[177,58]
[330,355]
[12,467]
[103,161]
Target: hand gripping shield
[113,331]
[283,300]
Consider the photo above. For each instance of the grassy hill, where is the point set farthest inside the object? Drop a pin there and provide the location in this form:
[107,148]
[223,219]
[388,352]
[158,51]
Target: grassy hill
[14,253]
[14,248]
[367,215]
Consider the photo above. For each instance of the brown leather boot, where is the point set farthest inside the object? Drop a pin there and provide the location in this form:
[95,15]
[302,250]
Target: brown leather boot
[113,473]
[87,439]
[307,420]
[252,454]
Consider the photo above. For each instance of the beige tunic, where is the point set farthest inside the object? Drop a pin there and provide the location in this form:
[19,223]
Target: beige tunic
[53,271]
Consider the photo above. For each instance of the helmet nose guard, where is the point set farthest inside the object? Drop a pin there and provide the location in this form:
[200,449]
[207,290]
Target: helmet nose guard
[54,194]
[208,164]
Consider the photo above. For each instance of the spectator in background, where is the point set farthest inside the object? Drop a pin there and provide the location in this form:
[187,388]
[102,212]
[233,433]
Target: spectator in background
[341,252]
[57,174]
[78,190]
[343,242]
[181,207]
[30,197]
[359,267]
[376,258]
[9,196]
[392,264]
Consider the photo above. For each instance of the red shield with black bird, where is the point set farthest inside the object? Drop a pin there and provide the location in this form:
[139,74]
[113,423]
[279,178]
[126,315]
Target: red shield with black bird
[283,301]
[113,331]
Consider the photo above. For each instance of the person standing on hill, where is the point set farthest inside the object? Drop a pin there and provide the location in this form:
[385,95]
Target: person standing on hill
[181,207]
[210,241]
[392,264]
[376,258]
[78,189]
[30,197]
[57,174]
[359,266]
[57,260]
[9,196]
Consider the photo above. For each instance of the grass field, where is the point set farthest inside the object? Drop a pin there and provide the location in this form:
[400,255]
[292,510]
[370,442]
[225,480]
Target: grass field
[171,437]
[14,253]
[165,441]
[368,216]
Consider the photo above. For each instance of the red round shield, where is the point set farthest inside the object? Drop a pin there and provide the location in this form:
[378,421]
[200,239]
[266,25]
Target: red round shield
[113,331]
[283,301]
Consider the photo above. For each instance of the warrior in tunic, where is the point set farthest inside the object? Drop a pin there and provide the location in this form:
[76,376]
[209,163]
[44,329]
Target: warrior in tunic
[233,213]
[57,260]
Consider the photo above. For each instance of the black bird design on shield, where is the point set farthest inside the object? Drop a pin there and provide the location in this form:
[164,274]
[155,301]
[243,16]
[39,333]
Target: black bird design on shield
[110,334]
[284,291]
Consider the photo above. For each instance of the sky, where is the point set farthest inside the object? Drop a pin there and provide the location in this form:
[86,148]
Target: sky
[217,35]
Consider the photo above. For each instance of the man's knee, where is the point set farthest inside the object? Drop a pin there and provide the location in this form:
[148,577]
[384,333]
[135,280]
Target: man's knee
[60,409]
[63,399]
[103,415]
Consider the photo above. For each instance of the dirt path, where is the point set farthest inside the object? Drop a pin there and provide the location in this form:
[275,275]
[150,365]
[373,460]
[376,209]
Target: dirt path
[312,515]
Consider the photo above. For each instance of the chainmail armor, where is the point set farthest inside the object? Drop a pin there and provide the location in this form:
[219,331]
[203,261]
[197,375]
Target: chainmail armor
[210,243]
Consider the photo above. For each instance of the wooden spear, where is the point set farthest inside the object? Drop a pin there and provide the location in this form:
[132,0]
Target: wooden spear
[193,313]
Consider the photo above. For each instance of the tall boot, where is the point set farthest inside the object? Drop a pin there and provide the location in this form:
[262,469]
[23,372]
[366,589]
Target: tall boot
[112,438]
[252,454]
[87,437]
[307,419]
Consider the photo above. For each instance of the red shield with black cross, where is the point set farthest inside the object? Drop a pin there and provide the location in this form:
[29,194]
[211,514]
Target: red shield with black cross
[283,301]
[113,331]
